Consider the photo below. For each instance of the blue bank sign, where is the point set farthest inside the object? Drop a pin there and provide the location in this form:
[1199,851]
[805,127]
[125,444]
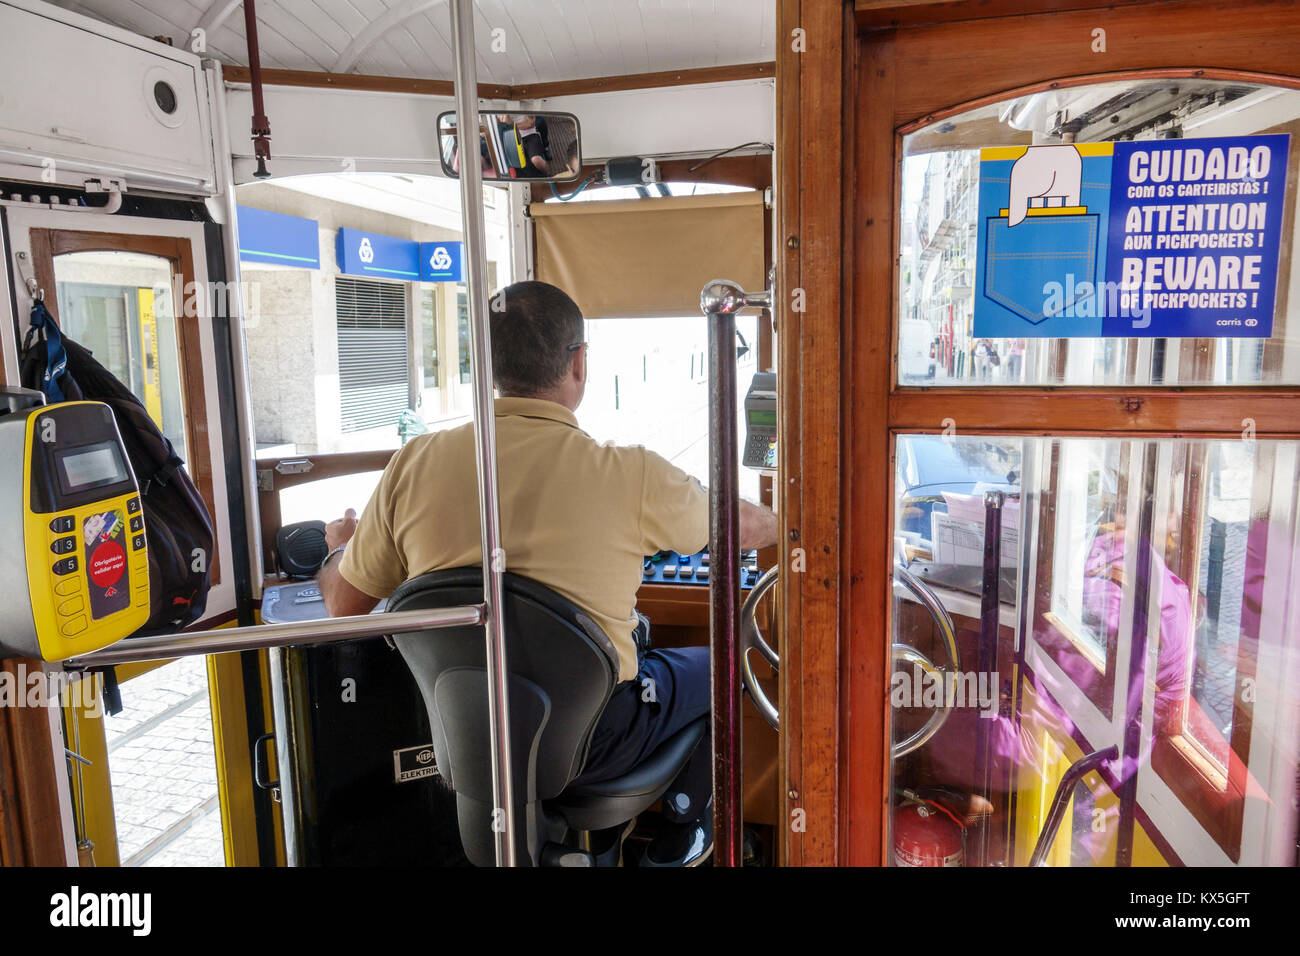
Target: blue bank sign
[276,238]
[442,262]
[372,254]
[1158,238]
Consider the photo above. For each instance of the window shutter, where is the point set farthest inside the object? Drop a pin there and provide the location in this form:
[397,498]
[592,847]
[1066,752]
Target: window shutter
[373,367]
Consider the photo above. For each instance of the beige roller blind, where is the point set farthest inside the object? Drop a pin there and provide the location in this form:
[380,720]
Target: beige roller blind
[634,258]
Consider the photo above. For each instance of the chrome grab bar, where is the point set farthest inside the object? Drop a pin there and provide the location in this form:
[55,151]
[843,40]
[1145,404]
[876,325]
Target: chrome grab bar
[908,654]
[293,633]
[1061,799]
[752,639]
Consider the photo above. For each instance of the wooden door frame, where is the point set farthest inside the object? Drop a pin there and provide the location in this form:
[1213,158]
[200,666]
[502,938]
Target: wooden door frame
[47,244]
[809,195]
[872,65]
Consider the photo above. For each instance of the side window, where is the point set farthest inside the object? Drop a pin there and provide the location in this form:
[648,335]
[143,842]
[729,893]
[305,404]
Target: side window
[1003,280]
[119,306]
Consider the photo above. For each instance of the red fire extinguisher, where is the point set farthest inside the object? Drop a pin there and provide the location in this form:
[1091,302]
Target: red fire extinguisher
[923,836]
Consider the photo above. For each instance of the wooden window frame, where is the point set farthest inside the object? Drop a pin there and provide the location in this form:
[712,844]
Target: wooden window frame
[1055,638]
[1215,795]
[836,206]
[48,244]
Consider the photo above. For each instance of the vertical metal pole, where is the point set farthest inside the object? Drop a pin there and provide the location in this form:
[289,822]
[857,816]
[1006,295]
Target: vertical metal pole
[285,752]
[724,589]
[720,301]
[485,435]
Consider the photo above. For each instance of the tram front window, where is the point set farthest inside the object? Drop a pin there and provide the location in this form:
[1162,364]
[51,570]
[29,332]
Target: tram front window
[649,385]
[1131,613]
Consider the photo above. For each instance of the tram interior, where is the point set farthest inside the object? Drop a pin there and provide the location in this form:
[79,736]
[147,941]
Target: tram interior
[1086,666]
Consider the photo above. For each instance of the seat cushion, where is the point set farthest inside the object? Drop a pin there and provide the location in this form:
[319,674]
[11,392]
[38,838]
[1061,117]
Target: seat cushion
[596,806]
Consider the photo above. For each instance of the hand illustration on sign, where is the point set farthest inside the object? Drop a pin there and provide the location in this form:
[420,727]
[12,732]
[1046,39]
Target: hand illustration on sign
[366,252]
[1044,172]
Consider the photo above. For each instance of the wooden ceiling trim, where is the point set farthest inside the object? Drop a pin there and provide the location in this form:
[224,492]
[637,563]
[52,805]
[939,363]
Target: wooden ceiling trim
[496,91]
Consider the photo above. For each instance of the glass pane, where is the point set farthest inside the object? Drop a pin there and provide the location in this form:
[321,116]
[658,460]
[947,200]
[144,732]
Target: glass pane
[993,295]
[464,356]
[1145,602]
[648,385]
[163,769]
[119,306]
[429,333]
[327,498]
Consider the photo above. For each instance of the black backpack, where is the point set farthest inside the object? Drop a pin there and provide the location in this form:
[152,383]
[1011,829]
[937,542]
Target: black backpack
[177,525]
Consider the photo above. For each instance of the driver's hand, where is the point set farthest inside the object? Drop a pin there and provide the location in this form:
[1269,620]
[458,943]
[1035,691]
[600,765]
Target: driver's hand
[339,531]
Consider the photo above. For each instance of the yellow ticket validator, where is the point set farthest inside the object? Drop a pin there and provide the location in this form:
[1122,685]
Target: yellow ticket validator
[72,536]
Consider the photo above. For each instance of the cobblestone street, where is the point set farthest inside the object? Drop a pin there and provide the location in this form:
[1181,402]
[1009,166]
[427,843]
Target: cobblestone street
[163,769]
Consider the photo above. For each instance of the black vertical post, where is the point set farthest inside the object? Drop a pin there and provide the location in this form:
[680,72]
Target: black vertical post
[1137,665]
[1214,586]
[990,605]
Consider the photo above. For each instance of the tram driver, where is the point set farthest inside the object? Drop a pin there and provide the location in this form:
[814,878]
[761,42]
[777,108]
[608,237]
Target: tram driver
[578,516]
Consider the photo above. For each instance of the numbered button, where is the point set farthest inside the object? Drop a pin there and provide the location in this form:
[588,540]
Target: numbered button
[132,505]
[137,523]
[137,542]
[62,524]
[64,545]
[66,566]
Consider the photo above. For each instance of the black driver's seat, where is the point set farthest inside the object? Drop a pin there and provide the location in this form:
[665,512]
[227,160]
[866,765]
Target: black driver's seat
[563,669]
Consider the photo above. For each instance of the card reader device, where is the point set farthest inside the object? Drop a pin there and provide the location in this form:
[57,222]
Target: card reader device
[73,549]
[760,424]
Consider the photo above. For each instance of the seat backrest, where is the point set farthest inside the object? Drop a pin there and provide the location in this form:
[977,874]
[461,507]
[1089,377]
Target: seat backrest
[563,668]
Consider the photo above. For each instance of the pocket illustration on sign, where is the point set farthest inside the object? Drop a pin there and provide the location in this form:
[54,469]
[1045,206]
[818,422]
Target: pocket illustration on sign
[1041,260]
[1023,261]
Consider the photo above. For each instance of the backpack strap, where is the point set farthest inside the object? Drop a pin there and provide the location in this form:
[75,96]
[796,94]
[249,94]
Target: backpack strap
[56,357]
[162,474]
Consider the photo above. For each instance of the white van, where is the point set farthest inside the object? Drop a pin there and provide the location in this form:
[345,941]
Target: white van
[915,359]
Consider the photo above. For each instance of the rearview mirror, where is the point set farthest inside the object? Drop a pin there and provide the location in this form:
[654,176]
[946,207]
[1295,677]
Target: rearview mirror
[541,147]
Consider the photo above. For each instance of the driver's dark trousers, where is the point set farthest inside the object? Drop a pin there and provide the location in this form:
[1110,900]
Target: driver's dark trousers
[671,690]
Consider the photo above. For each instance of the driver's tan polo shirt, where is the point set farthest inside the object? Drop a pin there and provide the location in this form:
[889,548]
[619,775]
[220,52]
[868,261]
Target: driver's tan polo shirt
[576,515]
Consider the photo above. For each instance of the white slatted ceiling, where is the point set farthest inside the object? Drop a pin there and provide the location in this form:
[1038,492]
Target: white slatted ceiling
[546,40]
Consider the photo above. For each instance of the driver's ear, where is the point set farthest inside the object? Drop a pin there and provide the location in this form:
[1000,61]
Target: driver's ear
[580,364]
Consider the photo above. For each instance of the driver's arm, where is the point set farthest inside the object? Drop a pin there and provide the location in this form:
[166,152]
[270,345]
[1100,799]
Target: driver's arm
[372,566]
[675,512]
[759,527]
[341,598]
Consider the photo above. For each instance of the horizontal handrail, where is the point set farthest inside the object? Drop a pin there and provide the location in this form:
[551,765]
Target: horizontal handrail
[257,637]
